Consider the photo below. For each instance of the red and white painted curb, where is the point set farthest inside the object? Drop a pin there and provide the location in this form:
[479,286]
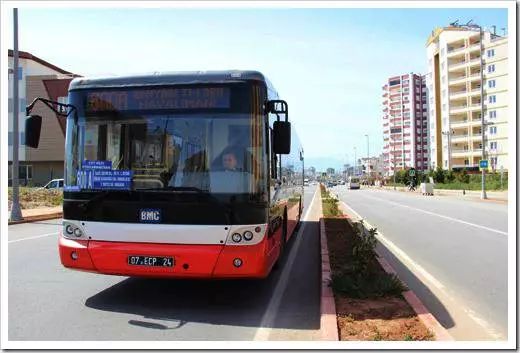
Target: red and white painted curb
[328,320]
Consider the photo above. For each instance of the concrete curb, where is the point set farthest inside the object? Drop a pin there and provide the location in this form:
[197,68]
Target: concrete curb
[43,217]
[426,317]
[328,320]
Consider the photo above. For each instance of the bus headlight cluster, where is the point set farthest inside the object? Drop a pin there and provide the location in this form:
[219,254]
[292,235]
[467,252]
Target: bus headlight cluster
[72,230]
[246,236]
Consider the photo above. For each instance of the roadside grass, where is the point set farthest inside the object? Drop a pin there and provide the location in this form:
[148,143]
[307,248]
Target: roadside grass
[369,301]
[35,198]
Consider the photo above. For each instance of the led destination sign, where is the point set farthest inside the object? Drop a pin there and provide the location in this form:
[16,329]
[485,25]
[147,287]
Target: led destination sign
[159,98]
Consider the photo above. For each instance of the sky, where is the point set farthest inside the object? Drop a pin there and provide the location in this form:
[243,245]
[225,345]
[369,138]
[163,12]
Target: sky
[328,64]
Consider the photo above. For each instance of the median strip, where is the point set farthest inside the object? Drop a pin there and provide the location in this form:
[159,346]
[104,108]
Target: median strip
[369,300]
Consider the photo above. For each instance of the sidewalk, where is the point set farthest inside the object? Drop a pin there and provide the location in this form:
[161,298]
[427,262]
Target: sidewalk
[473,194]
[39,214]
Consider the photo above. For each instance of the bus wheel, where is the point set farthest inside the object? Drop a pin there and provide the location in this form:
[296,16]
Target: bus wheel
[283,240]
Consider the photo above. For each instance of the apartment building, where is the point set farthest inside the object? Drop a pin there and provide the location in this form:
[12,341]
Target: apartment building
[454,82]
[38,78]
[405,126]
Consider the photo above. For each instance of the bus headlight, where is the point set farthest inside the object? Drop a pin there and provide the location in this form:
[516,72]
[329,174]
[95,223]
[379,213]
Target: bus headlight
[236,237]
[248,235]
[71,230]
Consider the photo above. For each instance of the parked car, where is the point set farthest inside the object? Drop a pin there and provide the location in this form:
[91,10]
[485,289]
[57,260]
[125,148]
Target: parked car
[54,184]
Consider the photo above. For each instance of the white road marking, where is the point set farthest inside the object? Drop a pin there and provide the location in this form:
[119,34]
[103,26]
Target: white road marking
[417,269]
[438,215]
[265,328]
[35,237]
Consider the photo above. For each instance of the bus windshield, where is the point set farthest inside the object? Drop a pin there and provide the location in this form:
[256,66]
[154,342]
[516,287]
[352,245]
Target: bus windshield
[157,150]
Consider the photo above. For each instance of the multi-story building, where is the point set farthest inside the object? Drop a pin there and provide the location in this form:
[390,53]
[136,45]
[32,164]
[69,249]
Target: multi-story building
[38,78]
[455,82]
[405,130]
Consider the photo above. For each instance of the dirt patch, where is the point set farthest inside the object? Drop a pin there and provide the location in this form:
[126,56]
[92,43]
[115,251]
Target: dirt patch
[382,319]
[369,301]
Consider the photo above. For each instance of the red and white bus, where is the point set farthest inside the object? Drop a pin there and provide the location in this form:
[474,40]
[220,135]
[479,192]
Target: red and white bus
[196,174]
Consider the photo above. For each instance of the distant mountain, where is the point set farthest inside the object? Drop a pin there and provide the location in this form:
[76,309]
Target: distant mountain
[322,163]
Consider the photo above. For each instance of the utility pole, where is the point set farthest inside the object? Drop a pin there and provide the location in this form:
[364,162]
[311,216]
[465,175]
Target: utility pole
[394,166]
[355,161]
[16,212]
[483,194]
[448,134]
[368,156]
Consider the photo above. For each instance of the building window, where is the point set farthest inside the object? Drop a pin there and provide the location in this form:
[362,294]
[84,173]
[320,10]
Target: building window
[491,83]
[10,105]
[490,53]
[466,162]
[493,114]
[492,130]
[494,162]
[493,145]
[491,68]
[22,105]
[492,99]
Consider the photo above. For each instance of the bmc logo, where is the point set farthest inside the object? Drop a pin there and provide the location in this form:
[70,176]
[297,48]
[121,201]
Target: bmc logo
[150,216]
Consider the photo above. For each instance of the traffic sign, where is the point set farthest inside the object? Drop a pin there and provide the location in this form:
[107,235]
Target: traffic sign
[412,172]
[483,164]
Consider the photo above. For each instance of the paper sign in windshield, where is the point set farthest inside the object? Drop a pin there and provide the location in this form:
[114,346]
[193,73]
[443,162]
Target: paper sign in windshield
[103,165]
[105,179]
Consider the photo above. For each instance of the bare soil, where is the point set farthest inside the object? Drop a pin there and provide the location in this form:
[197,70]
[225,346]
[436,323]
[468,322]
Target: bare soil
[388,318]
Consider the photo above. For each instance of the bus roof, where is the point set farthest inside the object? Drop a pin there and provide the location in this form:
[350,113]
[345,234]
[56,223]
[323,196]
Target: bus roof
[169,78]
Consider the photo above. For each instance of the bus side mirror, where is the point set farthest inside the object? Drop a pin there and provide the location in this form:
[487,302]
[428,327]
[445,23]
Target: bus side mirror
[33,127]
[282,137]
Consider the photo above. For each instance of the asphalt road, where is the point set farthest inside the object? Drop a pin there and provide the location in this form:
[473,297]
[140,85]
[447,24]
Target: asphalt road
[50,303]
[452,252]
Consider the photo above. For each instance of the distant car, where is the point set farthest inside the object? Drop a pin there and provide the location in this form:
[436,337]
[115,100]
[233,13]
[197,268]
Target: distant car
[353,183]
[54,184]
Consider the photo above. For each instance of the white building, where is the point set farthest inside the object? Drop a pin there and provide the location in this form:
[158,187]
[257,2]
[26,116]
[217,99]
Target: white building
[454,83]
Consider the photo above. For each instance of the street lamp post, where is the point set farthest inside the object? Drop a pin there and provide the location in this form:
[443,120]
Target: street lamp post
[368,156]
[16,212]
[449,133]
[483,194]
[355,161]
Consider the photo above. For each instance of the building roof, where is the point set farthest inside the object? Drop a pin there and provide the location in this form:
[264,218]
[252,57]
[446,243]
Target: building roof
[29,56]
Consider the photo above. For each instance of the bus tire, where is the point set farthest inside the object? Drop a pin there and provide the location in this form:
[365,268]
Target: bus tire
[283,241]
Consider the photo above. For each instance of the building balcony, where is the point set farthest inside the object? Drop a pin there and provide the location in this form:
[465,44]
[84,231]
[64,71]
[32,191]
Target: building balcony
[459,138]
[455,80]
[475,76]
[456,65]
[456,50]
[465,153]
[458,109]
[458,94]
[474,47]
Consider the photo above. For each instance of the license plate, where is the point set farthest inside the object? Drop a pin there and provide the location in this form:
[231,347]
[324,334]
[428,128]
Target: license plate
[152,261]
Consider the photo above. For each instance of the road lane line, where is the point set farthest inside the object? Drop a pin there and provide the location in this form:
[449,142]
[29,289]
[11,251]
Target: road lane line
[417,269]
[267,323]
[438,215]
[35,237]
